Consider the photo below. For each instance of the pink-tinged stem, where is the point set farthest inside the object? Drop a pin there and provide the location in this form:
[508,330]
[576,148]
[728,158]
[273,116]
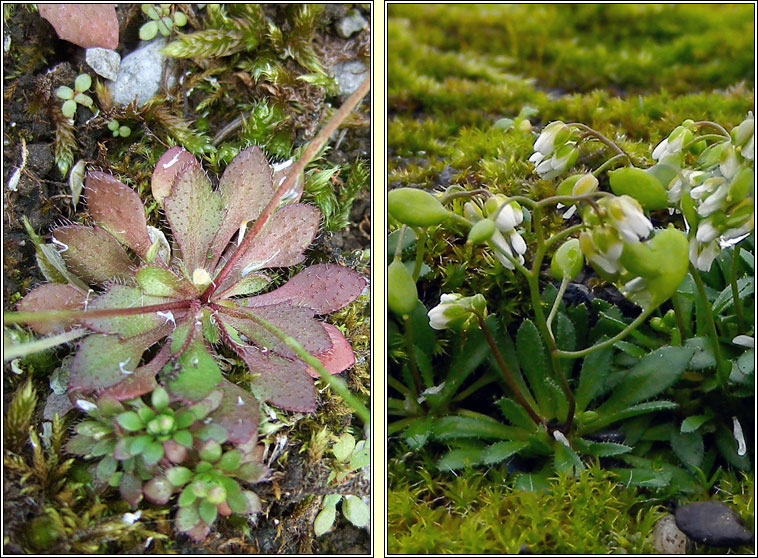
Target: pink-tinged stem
[313,147]
[52,315]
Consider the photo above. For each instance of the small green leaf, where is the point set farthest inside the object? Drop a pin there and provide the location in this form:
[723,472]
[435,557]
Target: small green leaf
[146,414]
[418,432]
[447,428]
[324,520]
[82,83]
[187,497]
[212,432]
[356,511]
[199,373]
[534,363]
[139,443]
[152,453]
[147,32]
[178,476]
[459,458]
[211,451]
[688,448]
[531,482]
[344,447]
[183,438]
[595,369]
[69,108]
[649,377]
[65,93]
[159,398]
[566,460]
[500,451]
[208,512]
[130,421]
[186,518]
[691,424]
[105,468]
[185,419]
[237,503]
[230,461]
[104,447]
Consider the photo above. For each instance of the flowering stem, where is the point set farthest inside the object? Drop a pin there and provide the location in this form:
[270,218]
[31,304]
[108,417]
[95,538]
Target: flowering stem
[610,162]
[420,248]
[467,194]
[563,234]
[734,268]
[412,364]
[602,139]
[539,317]
[309,153]
[715,125]
[608,342]
[554,310]
[721,365]
[705,137]
[54,315]
[507,373]
[15,351]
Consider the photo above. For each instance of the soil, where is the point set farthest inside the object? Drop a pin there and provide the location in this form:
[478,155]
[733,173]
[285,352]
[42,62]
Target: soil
[40,63]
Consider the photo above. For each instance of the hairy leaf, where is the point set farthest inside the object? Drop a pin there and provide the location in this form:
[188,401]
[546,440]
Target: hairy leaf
[93,254]
[595,369]
[174,160]
[281,242]
[500,451]
[447,428]
[339,357]
[118,209]
[194,212]
[534,363]
[285,383]
[649,377]
[142,381]
[323,287]
[238,412]
[156,280]
[295,321]
[52,296]
[198,374]
[248,285]
[119,296]
[245,188]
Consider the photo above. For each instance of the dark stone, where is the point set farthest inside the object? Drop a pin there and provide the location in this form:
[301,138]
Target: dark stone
[525,550]
[446,176]
[712,523]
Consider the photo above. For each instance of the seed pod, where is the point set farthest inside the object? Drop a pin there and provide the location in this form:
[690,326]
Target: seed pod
[568,260]
[639,184]
[481,231]
[415,207]
[401,289]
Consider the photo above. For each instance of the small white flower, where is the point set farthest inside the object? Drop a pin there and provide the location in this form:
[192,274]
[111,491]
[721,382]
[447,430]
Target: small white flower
[509,217]
[706,232]
[729,164]
[661,150]
[702,255]
[714,201]
[553,136]
[628,218]
[748,151]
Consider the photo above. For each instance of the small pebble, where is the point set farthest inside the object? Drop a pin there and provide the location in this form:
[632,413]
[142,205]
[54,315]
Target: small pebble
[350,24]
[712,523]
[105,62]
[139,75]
[668,539]
[349,75]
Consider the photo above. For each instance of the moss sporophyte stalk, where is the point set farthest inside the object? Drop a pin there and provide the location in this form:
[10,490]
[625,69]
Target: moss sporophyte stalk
[151,330]
[700,175]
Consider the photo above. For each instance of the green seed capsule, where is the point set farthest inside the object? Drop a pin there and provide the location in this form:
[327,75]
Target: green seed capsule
[639,184]
[481,231]
[568,260]
[415,207]
[402,294]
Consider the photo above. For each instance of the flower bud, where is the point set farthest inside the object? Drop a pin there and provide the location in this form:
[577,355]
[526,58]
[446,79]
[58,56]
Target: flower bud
[566,187]
[454,310]
[472,211]
[640,185]
[552,137]
[741,185]
[415,207]
[402,294]
[585,185]
[481,231]
[493,204]
[567,260]
[742,133]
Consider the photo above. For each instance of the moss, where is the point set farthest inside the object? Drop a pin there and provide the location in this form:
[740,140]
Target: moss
[476,514]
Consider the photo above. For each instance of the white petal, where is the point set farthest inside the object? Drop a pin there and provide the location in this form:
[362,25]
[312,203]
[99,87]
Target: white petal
[517,242]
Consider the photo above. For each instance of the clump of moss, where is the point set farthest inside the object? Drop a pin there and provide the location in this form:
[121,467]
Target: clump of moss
[475,514]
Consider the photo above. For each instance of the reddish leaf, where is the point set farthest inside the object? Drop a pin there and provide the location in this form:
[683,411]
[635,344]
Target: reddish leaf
[131,489]
[238,413]
[86,25]
[339,357]
[194,212]
[199,531]
[52,296]
[281,242]
[285,383]
[143,379]
[118,209]
[166,169]
[102,361]
[119,296]
[246,189]
[92,254]
[323,287]
[295,321]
